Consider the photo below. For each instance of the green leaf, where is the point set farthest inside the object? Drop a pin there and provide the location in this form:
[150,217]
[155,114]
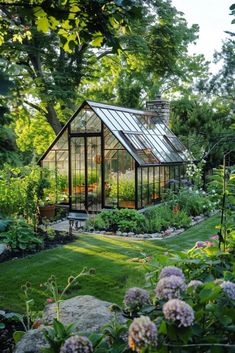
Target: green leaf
[162,327]
[17,335]
[42,24]
[2,325]
[97,41]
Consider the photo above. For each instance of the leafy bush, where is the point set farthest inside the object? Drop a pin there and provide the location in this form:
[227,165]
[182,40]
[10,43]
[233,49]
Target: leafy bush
[192,201]
[161,217]
[124,220]
[21,236]
[4,223]
[180,219]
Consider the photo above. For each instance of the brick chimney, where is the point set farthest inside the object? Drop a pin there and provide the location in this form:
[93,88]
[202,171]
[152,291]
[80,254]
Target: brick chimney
[161,109]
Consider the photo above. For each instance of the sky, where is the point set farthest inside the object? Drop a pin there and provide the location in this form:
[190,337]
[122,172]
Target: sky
[213,18]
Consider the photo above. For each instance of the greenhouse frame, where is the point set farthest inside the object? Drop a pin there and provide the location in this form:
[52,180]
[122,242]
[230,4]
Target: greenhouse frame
[108,156]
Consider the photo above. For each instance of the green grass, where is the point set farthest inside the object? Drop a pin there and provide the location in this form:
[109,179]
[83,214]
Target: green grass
[110,256]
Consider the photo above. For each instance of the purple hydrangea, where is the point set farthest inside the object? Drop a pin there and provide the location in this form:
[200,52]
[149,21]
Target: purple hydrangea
[142,334]
[170,287]
[178,311]
[171,271]
[229,288]
[135,298]
[194,284]
[200,244]
[77,344]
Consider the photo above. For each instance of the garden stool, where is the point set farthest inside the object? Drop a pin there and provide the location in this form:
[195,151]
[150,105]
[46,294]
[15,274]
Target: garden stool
[74,218]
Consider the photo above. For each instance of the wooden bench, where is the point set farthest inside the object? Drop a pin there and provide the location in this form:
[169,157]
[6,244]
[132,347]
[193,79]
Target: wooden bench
[74,219]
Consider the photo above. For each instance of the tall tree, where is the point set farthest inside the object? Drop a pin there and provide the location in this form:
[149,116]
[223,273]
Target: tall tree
[44,45]
[57,52]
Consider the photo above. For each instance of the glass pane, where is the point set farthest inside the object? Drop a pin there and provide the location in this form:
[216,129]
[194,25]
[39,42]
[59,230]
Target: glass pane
[86,121]
[145,187]
[156,196]
[94,173]
[140,196]
[78,173]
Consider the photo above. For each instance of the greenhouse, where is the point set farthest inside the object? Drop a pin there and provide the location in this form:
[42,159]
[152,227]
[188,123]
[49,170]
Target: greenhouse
[108,156]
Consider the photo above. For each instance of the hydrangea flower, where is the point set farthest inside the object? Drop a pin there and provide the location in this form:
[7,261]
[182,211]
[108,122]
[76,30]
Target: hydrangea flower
[135,298]
[194,284]
[77,344]
[170,287]
[178,311]
[229,288]
[214,237]
[200,244]
[142,334]
[171,271]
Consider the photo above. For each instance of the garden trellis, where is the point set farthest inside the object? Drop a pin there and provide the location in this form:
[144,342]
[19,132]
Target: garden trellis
[108,156]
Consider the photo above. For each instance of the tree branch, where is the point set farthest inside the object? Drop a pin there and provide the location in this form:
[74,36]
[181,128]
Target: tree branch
[36,107]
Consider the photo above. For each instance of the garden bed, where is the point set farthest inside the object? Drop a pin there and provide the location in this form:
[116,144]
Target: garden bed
[48,242]
[169,232]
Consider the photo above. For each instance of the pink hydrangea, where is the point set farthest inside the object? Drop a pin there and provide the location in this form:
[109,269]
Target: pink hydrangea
[170,287]
[179,312]
[142,334]
[171,271]
[214,237]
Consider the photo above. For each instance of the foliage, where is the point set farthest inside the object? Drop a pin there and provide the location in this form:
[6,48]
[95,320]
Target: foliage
[135,48]
[161,217]
[191,200]
[203,127]
[126,220]
[4,224]
[56,294]
[124,188]
[92,177]
[56,335]
[222,188]
[201,316]
[23,188]
[21,237]
[9,323]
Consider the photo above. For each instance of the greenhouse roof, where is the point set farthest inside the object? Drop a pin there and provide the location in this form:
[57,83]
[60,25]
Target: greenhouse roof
[144,135]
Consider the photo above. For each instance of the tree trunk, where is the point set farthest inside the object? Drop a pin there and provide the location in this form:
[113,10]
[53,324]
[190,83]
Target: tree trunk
[52,119]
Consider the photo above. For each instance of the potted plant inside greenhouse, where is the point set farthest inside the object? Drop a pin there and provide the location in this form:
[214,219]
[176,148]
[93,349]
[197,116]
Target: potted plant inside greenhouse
[46,195]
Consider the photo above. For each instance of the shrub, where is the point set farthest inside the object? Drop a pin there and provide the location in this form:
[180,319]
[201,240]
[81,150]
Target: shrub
[21,237]
[125,220]
[180,219]
[192,201]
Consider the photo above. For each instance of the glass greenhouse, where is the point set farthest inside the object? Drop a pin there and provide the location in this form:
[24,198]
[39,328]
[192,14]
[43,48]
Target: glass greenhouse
[108,156]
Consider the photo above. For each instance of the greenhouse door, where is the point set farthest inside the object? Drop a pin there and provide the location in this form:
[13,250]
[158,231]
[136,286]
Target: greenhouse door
[85,173]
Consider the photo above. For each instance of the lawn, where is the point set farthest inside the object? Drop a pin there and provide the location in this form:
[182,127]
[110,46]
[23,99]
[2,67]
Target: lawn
[110,256]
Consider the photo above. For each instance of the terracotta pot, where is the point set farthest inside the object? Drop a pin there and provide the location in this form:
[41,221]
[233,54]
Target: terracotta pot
[127,204]
[47,211]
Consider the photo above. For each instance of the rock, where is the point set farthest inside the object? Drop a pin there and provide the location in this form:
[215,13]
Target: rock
[125,234]
[32,342]
[90,313]
[119,233]
[131,234]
